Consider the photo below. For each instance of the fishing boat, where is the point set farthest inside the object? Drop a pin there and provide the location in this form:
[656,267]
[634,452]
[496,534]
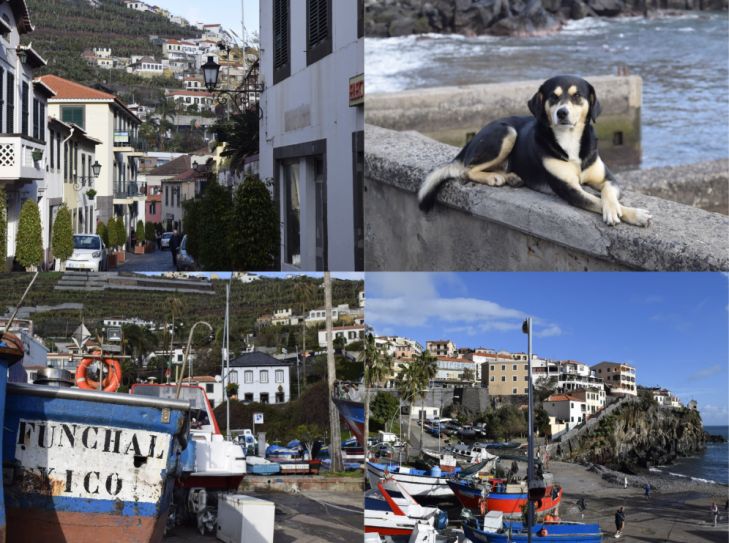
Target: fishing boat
[498,495]
[431,483]
[392,512]
[493,529]
[88,466]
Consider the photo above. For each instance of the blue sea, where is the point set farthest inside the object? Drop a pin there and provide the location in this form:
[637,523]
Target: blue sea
[712,465]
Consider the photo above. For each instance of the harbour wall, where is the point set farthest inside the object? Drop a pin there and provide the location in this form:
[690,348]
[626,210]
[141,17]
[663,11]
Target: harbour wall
[452,114]
[484,228]
[302,483]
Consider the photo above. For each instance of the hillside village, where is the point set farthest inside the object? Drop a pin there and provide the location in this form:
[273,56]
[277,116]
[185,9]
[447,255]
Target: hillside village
[573,391]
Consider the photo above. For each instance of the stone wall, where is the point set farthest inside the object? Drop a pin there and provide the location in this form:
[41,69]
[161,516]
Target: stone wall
[483,228]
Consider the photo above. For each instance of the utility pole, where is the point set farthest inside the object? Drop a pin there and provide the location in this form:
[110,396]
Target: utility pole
[226,358]
[527,329]
[335,445]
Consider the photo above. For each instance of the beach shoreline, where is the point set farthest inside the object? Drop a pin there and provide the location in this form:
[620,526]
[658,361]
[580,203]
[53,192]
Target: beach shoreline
[677,510]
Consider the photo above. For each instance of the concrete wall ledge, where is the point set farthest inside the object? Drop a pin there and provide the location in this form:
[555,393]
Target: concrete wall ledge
[476,227]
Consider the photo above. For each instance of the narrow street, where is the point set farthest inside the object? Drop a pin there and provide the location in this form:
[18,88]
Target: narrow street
[158,261]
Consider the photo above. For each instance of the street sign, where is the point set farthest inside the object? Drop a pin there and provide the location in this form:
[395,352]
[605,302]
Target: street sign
[257,418]
[356,90]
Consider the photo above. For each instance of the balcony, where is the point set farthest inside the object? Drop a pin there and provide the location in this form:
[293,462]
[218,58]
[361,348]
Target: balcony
[123,193]
[16,158]
[125,141]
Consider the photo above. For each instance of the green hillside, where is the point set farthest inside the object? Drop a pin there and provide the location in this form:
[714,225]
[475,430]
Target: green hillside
[248,302]
[65,28]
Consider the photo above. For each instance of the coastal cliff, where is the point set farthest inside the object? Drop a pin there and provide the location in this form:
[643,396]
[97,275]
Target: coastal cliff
[388,18]
[635,436]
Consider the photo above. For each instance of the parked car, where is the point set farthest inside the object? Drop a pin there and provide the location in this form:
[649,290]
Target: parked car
[89,253]
[164,241]
[185,262]
[467,431]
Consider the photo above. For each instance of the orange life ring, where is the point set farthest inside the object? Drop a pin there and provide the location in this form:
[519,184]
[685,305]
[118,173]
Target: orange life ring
[111,382]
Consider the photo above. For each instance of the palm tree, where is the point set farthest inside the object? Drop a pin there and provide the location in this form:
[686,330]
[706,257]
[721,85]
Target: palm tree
[377,368]
[240,134]
[415,379]
[335,445]
[427,370]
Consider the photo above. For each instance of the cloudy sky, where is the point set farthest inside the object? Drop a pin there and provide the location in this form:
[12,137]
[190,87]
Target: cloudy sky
[672,327]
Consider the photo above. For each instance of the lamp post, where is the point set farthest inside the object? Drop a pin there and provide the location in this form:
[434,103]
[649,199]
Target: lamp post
[244,98]
[81,181]
[527,329]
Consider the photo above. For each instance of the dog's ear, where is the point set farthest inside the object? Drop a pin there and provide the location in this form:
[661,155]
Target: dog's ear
[595,107]
[536,105]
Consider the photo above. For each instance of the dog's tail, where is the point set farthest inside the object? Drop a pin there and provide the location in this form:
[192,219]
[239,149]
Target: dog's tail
[429,189]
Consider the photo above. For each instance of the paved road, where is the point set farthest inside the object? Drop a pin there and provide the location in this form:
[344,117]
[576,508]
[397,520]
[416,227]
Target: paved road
[304,518]
[158,261]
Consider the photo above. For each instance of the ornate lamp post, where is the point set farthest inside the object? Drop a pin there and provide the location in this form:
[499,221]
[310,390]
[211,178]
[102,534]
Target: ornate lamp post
[244,98]
[81,182]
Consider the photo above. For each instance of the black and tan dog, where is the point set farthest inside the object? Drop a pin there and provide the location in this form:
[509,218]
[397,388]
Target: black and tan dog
[556,146]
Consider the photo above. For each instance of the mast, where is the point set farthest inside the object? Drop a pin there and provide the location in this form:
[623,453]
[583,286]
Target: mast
[226,358]
[527,329]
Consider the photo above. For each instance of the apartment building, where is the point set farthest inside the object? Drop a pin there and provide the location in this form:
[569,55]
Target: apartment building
[312,129]
[107,119]
[453,370]
[507,374]
[619,378]
[441,347]
[350,334]
[261,378]
[23,117]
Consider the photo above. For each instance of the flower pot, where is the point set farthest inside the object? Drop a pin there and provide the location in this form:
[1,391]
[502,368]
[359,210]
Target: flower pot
[110,261]
[121,257]
[139,249]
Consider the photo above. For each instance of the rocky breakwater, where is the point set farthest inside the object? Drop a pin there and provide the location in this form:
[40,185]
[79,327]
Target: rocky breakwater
[389,18]
[636,436]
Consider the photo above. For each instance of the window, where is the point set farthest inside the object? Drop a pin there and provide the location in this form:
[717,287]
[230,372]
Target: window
[513,391]
[493,378]
[280,398]
[526,391]
[503,378]
[233,376]
[526,377]
[52,146]
[503,367]
[264,397]
[74,114]
[248,397]
[513,378]
[279,376]
[248,377]
[36,118]
[318,29]
[11,104]
[513,367]
[281,40]
[209,388]
[24,97]
[263,376]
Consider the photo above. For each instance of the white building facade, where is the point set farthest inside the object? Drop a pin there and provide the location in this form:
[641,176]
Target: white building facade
[312,129]
[260,378]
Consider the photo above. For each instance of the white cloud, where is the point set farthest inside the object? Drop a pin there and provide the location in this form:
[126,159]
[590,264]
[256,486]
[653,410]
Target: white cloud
[706,373]
[551,330]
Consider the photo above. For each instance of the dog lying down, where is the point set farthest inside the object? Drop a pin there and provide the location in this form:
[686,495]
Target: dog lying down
[557,147]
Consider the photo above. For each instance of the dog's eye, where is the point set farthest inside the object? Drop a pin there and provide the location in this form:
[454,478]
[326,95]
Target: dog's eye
[577,95]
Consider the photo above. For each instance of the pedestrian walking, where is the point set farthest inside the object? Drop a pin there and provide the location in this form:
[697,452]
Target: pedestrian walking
[647,488]
[625,482]
[174,244]
[619,522]
[715,513]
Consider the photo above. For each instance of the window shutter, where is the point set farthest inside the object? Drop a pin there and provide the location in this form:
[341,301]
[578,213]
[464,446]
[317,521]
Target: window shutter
[280,33]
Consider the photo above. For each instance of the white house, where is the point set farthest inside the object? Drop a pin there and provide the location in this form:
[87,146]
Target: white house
[260,378]
[350,334]
[619,378]
[102,52]
[179,50]
[213,387]
[202,100]
[146,67]
[23,117]
[565,408]
[105,118]
[312,63]
[455,369]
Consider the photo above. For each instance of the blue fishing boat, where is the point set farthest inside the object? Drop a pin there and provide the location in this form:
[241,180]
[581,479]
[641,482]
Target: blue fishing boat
[348,398]
[86,466]
[494,529]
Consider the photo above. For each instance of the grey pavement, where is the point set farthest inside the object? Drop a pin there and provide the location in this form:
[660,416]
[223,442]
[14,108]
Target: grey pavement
[304,518]
[158,261]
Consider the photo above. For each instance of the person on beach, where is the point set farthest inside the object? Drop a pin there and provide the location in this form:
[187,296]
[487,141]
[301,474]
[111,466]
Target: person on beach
[715,513]
[619,521]
[647,488]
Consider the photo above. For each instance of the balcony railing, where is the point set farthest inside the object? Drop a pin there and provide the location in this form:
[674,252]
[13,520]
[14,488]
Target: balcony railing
[129,190]
[127,140]
[17,161]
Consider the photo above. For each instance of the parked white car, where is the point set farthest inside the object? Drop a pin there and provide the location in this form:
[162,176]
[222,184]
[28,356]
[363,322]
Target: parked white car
[89,253]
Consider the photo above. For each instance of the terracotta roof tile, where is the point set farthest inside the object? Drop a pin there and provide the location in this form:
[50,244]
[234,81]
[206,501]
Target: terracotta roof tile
[70,90]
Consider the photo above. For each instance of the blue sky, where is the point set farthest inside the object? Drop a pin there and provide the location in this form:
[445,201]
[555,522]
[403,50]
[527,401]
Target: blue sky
[226,12]
[672,327]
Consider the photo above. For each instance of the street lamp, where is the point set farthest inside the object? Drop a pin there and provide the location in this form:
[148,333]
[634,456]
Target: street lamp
[81,181]
[211,72]
[187,355]
[245,97]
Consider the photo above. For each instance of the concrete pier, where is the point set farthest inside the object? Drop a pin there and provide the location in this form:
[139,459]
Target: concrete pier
[476,227]
[451,114]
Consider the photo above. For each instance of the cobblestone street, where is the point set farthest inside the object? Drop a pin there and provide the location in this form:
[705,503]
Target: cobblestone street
[158,261]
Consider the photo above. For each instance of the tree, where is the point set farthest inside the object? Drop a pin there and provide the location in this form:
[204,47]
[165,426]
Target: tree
[208,226]
[103,232]
[377,368]
[3,229]
[335,450]
[138,341]
[121,232]
[255,227]
[112,233]
[308,434]
[62,239]
[240,134]
[140,233]
[231,390]
[29,242]
[149,233]
[468,375]
[383,410]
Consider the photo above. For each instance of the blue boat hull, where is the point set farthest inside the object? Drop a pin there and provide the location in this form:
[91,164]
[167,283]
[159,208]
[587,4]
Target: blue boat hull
[556,533]
[87,466]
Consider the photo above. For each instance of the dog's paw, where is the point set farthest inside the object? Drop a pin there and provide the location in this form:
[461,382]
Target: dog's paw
[492,179]
[611,213]
[514,180]
[637,216]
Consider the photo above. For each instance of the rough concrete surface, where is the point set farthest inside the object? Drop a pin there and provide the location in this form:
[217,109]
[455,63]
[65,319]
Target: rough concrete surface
[503,228]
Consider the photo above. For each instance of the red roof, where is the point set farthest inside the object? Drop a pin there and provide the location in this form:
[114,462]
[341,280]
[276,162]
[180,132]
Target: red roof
[562,398]
[70,90]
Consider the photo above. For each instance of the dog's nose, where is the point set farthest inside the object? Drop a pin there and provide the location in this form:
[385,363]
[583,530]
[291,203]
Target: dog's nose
[562,113]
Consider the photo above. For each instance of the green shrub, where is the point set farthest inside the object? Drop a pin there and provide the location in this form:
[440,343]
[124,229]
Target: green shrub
[140,232]
[149,232]
[62,237]
[29,243]
[255,230]
[103,232]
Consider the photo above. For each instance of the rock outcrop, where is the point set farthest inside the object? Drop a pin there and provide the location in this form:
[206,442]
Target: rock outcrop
[389,18]
[635,436]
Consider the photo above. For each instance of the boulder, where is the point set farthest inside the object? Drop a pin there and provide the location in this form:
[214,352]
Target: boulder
[478,17]
[403,26]
[608,8]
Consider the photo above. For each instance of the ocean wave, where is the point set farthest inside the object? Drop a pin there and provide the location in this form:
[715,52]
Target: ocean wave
[682,476]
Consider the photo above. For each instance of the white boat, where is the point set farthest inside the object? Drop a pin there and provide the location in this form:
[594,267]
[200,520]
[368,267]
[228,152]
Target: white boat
[416,482]
[391,512]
